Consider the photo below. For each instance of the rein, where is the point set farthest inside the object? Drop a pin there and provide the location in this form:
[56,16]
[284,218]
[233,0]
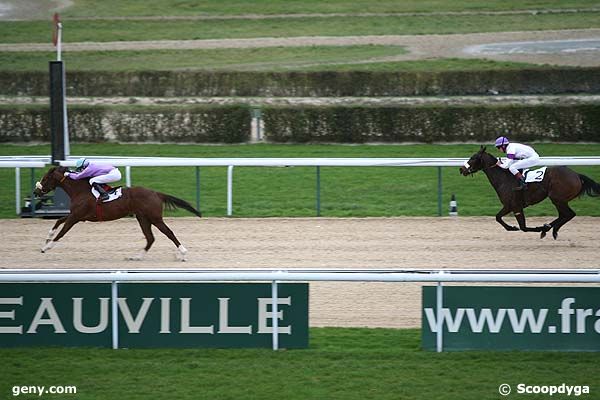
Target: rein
[485,168]
[490,166]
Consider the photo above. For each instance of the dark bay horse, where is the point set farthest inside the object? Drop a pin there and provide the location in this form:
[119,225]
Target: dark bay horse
[145,204]
[560,185]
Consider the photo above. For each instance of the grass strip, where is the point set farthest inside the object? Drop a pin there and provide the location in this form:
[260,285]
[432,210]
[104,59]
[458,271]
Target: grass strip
[341,363]
[256,59]
[317,58]
[93,8]
[143,30]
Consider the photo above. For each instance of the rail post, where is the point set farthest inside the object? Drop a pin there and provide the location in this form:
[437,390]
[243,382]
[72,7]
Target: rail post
[114,290]
[128,175]
[439,169]
[229,190]
[318,191]
[439,300]
[17,189]
[275,314]
[198,188]
[32,202]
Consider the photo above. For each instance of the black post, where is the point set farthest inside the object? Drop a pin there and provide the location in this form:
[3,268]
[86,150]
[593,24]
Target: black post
[59,135]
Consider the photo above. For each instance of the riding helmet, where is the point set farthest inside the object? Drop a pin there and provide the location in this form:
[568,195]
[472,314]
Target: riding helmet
[81,163]
[501,141]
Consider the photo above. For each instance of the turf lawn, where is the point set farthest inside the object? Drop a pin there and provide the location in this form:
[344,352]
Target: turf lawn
[340,363]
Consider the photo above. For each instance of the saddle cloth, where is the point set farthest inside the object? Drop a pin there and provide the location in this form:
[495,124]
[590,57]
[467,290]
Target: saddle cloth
[113,193]
[534,175]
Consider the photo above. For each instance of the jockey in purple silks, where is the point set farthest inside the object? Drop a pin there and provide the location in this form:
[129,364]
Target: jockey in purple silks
[519,156]
[99,173]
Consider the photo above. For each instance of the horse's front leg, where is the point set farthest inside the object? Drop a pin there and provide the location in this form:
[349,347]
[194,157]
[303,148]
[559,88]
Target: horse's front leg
[52,231]
[520,216]
[68,224]
[505,210]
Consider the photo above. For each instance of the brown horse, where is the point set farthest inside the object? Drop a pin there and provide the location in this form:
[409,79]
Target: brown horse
[560,185]
[145,204]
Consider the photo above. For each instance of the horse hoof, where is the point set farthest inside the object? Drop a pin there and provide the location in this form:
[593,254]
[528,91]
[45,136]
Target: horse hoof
[181,252]
[137,257]
[513,229]
[555,235]
[48,246]
[543,234]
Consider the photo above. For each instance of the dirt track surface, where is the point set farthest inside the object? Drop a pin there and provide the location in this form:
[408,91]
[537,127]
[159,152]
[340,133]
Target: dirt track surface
[378,243]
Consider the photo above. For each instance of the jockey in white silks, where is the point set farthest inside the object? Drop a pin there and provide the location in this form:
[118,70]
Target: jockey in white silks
[99,173]
[518,156]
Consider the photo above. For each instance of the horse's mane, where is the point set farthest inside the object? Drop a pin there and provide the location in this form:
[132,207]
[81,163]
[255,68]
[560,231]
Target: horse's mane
[58,168]
[483,152]
[496,159]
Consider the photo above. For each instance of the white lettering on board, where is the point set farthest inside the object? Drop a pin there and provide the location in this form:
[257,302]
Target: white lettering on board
[18,301]
[46,306]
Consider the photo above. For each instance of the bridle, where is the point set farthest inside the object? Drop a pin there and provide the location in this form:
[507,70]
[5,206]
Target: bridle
[470,169]
[40,187]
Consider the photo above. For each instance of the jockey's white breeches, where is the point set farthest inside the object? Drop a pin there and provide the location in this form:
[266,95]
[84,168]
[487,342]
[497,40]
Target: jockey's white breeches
[112,176]
[523,164]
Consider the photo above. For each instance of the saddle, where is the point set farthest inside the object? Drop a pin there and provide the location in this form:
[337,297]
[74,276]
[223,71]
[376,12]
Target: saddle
[113,192]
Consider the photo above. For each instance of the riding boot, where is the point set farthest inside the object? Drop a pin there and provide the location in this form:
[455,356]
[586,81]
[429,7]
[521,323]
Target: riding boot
[522,184]
[100,189]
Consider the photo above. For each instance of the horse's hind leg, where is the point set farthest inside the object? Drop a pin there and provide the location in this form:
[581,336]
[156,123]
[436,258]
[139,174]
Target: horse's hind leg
[565,214]
[181,251]
[520,216]
[52,231]
[147,230]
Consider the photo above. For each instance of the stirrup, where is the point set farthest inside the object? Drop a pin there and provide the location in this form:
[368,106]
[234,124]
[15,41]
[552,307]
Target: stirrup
[102,194]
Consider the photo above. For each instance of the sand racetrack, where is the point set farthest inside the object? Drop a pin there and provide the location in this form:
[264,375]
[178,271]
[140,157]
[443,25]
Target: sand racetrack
[463,242]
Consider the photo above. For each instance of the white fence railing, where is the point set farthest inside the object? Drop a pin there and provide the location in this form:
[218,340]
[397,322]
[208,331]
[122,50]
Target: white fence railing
[313,162]
[439,276]
[230,163]
[17,164]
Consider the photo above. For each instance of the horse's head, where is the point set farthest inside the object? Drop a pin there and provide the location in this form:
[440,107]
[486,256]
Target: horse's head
[478,161]
[53,177]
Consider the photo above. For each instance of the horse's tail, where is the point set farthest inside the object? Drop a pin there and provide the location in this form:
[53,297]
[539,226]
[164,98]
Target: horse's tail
[589,187]
[172,202]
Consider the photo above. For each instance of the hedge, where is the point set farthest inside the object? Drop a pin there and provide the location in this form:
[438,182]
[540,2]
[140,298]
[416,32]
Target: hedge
[578,123]
[306,84]
[303,124]
[195,124]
